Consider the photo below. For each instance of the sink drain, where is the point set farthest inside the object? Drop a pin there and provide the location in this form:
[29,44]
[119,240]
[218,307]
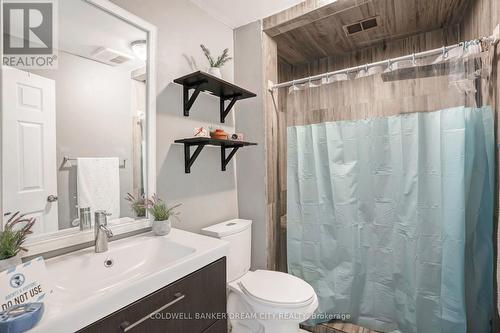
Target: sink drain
[108,263]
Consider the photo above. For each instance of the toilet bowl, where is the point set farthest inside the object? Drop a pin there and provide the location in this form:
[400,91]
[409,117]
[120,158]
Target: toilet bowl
[278,302]
[260,301]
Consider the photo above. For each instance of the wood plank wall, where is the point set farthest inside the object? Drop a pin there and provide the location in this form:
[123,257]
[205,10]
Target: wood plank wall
[270,68]
[480,19]
[303,13]
[379,52]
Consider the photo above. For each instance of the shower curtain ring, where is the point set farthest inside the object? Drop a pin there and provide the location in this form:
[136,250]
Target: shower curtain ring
[414,59]
[445,52]
[389,64]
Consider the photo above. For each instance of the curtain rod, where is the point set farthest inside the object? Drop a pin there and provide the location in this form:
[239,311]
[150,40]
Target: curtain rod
[443,50]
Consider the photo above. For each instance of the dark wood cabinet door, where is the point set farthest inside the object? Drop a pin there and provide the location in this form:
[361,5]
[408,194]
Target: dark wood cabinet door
[192,304]
[220,326]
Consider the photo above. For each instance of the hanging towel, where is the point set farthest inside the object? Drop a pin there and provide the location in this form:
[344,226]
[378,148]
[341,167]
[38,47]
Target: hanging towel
[98,185]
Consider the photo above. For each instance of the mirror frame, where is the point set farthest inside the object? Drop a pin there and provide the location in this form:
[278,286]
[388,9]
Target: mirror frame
[70,237]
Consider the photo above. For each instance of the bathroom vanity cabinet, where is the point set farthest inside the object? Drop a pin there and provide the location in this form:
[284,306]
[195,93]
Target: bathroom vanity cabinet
[195,303]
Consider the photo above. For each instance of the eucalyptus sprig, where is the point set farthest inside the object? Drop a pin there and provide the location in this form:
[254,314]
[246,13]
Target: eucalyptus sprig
[221,60]
[159,209]
[11,238]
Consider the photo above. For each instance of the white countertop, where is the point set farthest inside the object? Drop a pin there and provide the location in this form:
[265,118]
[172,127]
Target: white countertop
[86,291]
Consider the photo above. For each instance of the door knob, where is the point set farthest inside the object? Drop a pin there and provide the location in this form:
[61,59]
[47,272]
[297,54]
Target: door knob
[52,198]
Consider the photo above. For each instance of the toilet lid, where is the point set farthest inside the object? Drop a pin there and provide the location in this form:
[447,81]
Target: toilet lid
[277,287]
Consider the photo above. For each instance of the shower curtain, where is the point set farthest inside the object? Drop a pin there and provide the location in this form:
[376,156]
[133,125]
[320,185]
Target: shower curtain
[390,217]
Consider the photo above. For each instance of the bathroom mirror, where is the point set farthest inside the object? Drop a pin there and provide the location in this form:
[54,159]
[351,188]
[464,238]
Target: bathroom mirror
[82,135]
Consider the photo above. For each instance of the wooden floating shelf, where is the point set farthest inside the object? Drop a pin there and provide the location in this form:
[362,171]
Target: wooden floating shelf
[200,143]
[201,81]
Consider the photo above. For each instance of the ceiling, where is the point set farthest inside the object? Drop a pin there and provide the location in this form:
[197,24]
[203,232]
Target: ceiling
[236,13]
[77,36]
[320,33]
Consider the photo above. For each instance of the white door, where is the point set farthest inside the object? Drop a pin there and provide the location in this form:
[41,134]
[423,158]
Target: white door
[29,147]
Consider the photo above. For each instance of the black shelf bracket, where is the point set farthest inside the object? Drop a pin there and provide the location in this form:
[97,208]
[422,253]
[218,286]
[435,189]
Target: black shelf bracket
[224,111]
[188,158]
[189,101]
[225,160]
[203,82]
[201,142]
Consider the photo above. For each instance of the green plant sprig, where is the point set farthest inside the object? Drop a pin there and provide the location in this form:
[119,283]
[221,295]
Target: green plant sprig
[159,210]
[221,60]
[12,239]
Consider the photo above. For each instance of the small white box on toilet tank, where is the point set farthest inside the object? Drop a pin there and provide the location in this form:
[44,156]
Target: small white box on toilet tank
[238,233]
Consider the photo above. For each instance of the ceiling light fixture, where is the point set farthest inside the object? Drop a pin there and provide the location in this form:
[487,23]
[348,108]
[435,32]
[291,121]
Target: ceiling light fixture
[140,49]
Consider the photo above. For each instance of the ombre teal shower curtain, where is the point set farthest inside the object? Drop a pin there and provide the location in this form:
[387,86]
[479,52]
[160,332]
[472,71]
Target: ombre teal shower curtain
[391,219]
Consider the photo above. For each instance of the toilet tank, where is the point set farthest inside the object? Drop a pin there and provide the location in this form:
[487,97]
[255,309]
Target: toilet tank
[238,233]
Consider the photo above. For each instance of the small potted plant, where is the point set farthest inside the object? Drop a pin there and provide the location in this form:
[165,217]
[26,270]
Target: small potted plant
[160,215]
[14,234]
[216,64]
[138,205]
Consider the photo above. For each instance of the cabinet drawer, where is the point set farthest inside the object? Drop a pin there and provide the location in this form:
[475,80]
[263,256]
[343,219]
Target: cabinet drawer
[178,306]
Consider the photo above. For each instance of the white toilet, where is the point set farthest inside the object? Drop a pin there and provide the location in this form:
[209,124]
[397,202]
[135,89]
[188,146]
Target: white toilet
[261,301]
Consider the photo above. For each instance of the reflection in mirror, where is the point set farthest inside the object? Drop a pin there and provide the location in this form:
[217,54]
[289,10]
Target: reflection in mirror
[75,136]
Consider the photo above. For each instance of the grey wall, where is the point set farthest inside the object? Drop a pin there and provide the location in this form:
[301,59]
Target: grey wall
[93,119]
[208,195]
[250,120]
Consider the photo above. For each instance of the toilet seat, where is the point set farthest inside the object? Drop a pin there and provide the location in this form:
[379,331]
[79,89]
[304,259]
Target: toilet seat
[276,289]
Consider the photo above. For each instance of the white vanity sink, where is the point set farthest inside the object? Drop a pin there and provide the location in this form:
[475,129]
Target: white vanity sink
[86,274]
[89,286]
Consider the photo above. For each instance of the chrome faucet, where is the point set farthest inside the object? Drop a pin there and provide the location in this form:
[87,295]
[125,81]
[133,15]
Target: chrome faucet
[102,233]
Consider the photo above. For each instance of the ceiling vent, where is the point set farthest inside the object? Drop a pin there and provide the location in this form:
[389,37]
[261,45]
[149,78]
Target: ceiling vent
[361,26]
[111,57]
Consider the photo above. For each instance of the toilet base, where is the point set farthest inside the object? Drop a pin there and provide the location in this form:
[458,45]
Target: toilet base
[237,306]
[242,329]
[271,326]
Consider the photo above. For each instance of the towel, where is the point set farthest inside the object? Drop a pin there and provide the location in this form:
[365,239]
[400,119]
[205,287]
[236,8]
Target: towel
[98,185]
